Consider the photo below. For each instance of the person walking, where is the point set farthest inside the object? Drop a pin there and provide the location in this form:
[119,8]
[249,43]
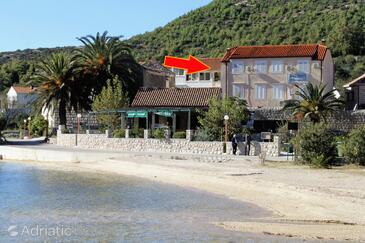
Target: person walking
[234,144]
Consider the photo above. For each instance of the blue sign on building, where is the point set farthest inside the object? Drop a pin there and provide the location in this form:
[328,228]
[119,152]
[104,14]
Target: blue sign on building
[297,77]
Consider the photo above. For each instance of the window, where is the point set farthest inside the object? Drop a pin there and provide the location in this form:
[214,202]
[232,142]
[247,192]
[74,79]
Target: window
[192,77]
[217,76]
[260,91]
[204,76]
[278,92]
[277,66]
[237,66]
[261,66]
[303,66]
[178,72]
[239,91]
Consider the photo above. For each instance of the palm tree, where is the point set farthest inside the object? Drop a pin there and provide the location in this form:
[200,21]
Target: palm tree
[57,84]
[315,103]
[103,58]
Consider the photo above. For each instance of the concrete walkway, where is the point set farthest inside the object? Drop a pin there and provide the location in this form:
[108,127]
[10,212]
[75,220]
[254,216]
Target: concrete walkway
[38,150]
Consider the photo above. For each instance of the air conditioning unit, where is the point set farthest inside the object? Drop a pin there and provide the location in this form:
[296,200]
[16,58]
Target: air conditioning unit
[291,68]
[250,69]
[316,65]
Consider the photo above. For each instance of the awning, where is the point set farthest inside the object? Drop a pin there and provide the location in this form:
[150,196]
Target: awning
[164,113]
[137,114]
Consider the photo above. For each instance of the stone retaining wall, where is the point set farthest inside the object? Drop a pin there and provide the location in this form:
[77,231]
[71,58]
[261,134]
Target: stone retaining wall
[102,141]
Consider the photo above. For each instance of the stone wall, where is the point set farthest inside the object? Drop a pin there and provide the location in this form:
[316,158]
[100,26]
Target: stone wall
[102,141]
[341,121]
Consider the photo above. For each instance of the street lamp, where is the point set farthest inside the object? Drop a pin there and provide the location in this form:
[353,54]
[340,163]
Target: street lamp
[78,122]
[29,119]
[226,118]
[25,127]
[78,126]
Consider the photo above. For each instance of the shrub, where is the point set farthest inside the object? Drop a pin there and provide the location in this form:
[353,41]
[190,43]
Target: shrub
[353,147]
[158,133]
[119,133]
[179,135]
[202,135]
[137,133]
[316,145]
[38,125]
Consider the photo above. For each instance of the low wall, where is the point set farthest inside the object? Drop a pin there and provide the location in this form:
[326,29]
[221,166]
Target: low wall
[102,141]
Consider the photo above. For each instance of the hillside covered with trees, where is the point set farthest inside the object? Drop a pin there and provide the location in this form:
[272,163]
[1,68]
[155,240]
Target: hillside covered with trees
[210,30]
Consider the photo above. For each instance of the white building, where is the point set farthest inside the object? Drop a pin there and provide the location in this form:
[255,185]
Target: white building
[20,97]
[206,79]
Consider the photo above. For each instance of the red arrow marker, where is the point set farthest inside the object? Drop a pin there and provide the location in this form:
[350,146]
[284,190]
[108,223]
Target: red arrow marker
[191,65]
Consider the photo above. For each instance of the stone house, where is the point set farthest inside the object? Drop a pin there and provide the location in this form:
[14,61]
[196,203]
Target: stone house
[265,76]
[157,76]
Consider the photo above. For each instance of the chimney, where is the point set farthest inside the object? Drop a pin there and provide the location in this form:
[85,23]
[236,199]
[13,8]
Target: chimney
[323,42]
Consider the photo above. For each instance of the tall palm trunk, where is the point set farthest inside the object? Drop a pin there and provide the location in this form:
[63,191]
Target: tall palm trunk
[62,112]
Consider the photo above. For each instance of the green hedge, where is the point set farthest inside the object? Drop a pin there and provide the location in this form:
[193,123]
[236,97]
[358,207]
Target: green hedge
[158,133]
[354,146]
[120,133]
[179,135]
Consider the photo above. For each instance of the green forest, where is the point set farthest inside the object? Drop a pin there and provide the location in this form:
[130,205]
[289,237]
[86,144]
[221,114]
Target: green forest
[210,30]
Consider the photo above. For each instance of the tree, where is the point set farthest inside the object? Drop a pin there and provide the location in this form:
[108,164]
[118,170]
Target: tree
[38,125]
[102,58]
[111,98]
[212,120]
[58,86]
[315,103]
[316,145]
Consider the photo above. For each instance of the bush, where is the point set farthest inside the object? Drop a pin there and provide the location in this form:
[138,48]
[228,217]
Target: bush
[158,133]
[38,125]
[137,133]
[353,147]
[120,133]
[316,145]
[179,135]
[202,135]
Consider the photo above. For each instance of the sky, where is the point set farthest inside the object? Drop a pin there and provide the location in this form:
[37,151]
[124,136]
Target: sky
[50,23]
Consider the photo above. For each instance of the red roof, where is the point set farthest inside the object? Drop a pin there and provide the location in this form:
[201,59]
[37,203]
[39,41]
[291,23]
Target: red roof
[174,97]
[24,89]
[213,63]
[315,51]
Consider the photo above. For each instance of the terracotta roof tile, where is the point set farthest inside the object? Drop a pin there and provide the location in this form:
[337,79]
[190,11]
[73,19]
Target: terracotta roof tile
[315,51]
[173,97]
[213,63]
[24,90]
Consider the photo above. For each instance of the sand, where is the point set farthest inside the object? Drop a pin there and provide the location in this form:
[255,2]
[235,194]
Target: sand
[306,203]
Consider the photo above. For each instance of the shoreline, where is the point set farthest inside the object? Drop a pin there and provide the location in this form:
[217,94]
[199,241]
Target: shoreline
[301,207]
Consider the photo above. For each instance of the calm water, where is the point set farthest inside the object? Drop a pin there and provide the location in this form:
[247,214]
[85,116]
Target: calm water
[56,206]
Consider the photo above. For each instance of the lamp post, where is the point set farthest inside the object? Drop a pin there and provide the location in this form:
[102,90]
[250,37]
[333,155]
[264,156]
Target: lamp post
[226,118]
[29,119]
[25,127]
[78,126]
[78,122]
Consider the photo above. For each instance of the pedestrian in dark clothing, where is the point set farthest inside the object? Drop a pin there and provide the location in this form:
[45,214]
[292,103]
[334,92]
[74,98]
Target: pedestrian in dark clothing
[248,144]
[234,144]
